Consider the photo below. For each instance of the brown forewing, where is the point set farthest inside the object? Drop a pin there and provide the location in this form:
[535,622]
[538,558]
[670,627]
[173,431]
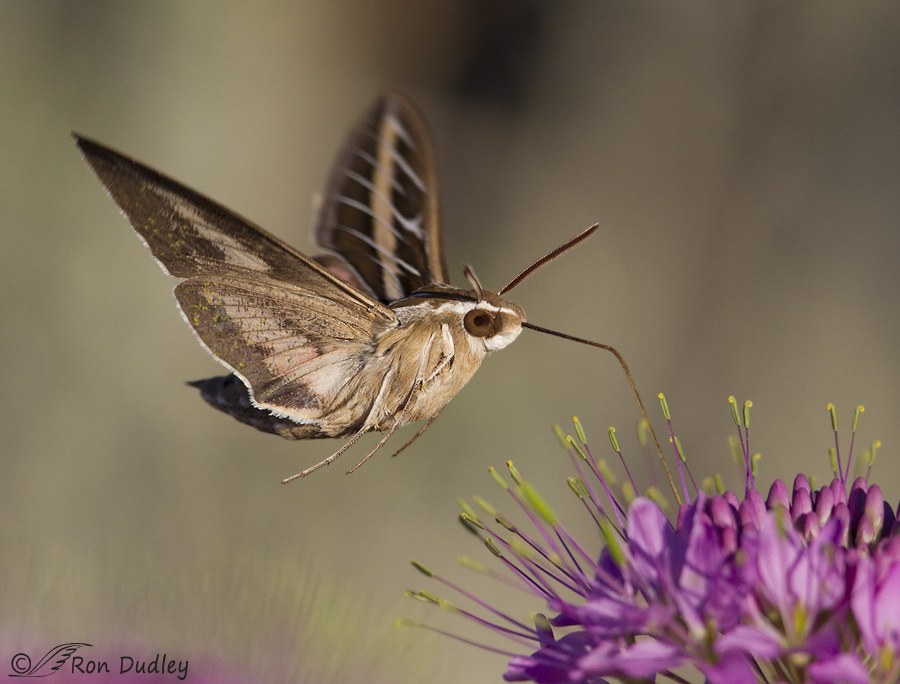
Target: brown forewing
[191,235]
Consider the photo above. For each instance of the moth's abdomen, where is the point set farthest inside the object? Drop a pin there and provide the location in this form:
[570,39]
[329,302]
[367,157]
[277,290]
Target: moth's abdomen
[228,394]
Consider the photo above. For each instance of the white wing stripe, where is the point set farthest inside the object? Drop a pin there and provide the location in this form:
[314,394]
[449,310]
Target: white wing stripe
[365,238]
[412,225]
[399,160]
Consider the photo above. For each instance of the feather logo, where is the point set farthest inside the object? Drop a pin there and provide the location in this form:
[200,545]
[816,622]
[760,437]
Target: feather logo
[56,657]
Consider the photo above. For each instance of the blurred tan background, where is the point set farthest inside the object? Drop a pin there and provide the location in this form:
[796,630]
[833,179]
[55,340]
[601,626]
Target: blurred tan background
[742,159]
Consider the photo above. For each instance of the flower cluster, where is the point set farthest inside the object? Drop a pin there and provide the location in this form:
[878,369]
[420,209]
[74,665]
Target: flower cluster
[800,586]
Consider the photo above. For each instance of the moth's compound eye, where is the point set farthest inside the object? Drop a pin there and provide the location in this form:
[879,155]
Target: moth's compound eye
[479,323]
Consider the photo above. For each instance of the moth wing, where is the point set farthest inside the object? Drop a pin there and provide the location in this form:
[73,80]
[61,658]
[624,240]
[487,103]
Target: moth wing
[338,265]
[190,235]
[297,351]
[380,212]
[229,394]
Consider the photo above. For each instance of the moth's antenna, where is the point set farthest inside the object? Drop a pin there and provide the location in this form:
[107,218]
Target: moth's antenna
[473,279]
[601,346]
[550,257]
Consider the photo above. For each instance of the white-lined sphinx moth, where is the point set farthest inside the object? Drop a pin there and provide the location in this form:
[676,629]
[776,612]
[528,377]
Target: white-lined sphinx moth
[366,337]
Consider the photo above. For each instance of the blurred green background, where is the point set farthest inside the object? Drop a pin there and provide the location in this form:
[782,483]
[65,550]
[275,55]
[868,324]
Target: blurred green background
[744,163]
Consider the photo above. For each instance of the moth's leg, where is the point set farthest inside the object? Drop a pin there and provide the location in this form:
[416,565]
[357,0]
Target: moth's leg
[421,430]
[407,403]
[372,418]
[328,460]
[447,352]
[382,442]
[447,339]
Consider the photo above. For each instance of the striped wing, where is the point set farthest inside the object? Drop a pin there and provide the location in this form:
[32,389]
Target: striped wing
[380,215]
[191,235]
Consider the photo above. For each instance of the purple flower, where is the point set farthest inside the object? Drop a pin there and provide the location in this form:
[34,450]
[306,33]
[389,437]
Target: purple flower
[875,601]
[802,586]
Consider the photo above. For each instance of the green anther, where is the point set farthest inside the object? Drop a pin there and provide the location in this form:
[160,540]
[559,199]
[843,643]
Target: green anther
[612,542]
[484,505]
[431,598]
[499,480]
[493,548]
[780,513]
[582,488]
[561,436]
[708,485]
[574,485]
[754,460]
[859,409]
[812,482]
[520,548]
[833,458]
[831,410]
[574,445]
[614,440]
[403,622]
[734,411]
[418,596]
[467,509]
[747,405]
[799,617]
[471,524]
[864,464]
[734,443]
[443,604]
[514,472]
[643,434]
[579,430]
[886,657]
[658,498]
[865,460]
[538,505]
[680,450]
[542,625]
[607,473]
[467,562]
[507,524]
[665,406]
[720,486]
[421,568]
[875,445]
[628,492]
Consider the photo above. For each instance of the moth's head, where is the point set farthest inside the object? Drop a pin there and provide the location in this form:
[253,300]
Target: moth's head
[493,320]
[485,316]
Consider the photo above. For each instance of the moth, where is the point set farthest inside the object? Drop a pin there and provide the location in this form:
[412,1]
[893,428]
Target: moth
[366,337]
